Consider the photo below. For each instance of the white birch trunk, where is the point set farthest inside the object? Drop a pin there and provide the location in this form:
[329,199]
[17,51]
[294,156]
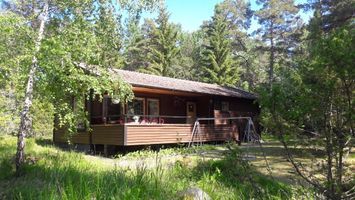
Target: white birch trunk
[25,123]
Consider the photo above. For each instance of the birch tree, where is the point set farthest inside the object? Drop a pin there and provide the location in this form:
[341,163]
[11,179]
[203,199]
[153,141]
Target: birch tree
[66,40]
[25,122]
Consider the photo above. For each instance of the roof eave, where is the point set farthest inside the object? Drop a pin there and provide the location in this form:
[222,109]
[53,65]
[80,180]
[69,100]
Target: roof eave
[193,92]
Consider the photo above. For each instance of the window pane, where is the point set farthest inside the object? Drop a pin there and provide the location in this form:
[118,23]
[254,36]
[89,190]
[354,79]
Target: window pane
[113,110]
[96,110]
[225,106]
[136,107]
[153,107]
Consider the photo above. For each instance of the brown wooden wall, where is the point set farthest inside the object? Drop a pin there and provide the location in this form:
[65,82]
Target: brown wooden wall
[212,132]
[138,134]
[176,133]
[101,134]
[157,133]
[171,131]
[108,134]
[176,105]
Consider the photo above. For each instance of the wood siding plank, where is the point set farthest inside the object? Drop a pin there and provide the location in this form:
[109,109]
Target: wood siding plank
[176,133]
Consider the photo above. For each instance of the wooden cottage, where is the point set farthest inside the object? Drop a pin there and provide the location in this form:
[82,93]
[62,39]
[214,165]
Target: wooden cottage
[163,112]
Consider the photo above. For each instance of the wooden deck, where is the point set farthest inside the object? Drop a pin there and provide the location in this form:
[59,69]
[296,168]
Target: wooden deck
[100,134]
[147,134]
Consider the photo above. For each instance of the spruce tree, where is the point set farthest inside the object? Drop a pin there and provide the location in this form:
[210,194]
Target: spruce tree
[238,15]
[217,62]
[163,46]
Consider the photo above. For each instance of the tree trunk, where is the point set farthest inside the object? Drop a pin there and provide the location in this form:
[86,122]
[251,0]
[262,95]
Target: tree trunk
[25,123]
[272,55]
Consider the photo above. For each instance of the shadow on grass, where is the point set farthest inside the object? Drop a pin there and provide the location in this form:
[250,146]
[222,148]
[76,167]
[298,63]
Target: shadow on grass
[235,173]
[274,149]
[44,142]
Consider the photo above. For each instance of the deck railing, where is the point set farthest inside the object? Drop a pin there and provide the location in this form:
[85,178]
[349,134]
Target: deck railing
[142,119]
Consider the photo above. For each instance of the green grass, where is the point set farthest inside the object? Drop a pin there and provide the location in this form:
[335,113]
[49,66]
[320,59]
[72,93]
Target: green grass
[148,153]
[50,173]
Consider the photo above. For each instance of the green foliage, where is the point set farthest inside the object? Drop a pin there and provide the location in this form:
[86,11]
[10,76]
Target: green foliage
[14,44]
[317,98]
[135,47]
[218,64]
[187,66]
[50,173]
[108,32]
[42,119]
[330,15]
[279,31]
[163,46]
[81,33]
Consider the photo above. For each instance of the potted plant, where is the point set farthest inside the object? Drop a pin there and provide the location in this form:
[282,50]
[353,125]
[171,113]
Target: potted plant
[115,99]
[136,118]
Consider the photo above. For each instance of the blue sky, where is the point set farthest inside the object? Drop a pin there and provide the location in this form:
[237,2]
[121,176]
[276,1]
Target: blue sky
[191,13]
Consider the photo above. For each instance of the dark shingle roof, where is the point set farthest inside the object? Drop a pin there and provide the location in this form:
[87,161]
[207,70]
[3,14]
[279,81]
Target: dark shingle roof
[161,82]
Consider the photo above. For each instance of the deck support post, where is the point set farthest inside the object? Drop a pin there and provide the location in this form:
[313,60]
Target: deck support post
[105,150]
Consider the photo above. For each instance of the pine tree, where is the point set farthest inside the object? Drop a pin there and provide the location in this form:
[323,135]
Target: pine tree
[163,46]
[217,61]
[328,16]
[278,22]
[331,15]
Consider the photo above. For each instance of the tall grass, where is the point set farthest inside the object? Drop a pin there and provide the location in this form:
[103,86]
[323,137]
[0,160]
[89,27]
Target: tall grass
[50,173]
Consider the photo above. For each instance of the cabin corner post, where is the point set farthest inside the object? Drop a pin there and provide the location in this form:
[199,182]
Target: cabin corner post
[124,134]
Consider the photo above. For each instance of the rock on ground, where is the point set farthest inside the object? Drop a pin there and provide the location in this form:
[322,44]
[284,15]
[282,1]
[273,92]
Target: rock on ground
[194,193]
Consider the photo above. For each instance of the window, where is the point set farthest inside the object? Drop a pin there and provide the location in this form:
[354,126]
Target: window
[104,110]
[153,106]
[96,110]
[136,107]
[217,105]
[225,106]
[113,111]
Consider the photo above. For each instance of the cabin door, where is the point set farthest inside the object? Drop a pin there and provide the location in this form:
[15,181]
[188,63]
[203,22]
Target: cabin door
[191,112]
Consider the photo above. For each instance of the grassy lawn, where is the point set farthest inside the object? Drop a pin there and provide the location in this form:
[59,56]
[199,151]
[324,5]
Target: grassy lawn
[51,173]
[310,156]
